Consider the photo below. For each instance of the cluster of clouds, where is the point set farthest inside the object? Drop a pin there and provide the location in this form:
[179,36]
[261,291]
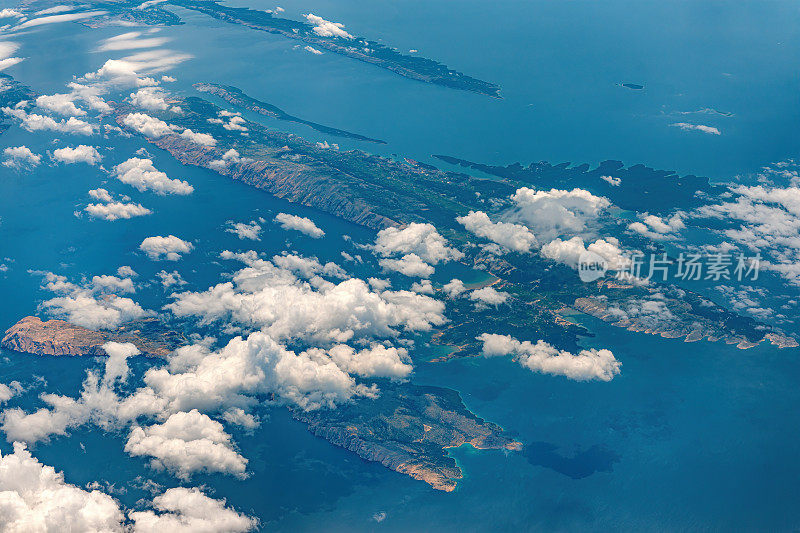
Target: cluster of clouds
[155,127]
[413,250]
[658,228]
[230,157]
[321,310]
[34,122]
[37,498]
[591,364]
[765,218]
[95,303]
[562,224]
[235,121]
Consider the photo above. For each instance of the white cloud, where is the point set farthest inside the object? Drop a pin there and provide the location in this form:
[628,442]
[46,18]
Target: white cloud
[119,72]
[169,248]
[611,180]
[489,296]
[9,391]
[256,298]
[101,194]
[59,18]
[410,265]
[33,122]
[420,239]
[188,510]
[765,218]
[141,174]
[245,231]
[150,98]
[92,305]
[513,236]
[569,252]
[312,50]
[554,213]
[187,442]
[542,357]
[170,279]
[455,287]
[147,125]
[199,138]
[80,154]
[685,126]
[115,210]
[34,497]
[62,104]
[215,381]
[657,228]
[325,28]
[378,361]
[9,13]
[130,41]
[301,224]
[20,157]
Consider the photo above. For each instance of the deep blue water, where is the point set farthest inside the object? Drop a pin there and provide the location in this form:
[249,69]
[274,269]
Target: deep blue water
[690,436]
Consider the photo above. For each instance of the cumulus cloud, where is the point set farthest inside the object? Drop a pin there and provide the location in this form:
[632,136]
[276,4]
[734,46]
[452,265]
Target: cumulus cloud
[542,357]
[199,138]
[141,174]
[9,391]
[453,288]
[188,510]
[245,231]
[488,296]
[420,239]
[325,28]
[512,236]
[33,122]
[20,157]
[657,228]
[62,104]
[685,126]
[554,213]
[169,247]
[611,180]
[80,154]
[187,442]
[256,298]
[410,265]
[301,224]
[312,50]
[152,99]
[113,210]
[569,252]
[9,13]
[37,498]
[147,125]
[170,279]
[93,304]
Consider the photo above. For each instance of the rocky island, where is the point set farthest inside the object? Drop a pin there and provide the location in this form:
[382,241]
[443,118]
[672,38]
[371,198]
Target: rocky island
[57,337]
[409,429]
[235,96]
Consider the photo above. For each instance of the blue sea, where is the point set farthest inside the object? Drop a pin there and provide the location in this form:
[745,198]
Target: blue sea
[689,437]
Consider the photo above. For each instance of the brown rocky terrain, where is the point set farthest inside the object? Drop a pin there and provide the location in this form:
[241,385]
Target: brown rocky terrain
[57,337]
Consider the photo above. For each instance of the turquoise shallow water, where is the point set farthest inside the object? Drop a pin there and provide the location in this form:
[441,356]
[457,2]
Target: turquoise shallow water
[689,436]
